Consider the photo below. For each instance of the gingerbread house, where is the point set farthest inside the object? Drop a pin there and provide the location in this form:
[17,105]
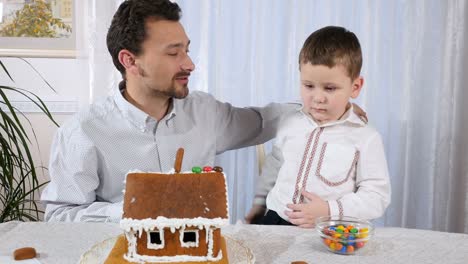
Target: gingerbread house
[175,217]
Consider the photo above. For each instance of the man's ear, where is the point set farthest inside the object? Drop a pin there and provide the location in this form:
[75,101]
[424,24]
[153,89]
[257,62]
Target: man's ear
[357,86]
[127,59]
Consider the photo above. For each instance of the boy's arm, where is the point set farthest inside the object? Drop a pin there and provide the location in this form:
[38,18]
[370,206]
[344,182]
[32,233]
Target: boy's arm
[373,191]
[266,181]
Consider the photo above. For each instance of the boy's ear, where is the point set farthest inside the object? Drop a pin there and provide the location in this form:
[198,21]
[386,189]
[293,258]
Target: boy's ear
[127,59]
[357,86]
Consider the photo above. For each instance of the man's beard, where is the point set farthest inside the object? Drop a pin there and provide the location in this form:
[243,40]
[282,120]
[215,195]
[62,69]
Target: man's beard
[172,92]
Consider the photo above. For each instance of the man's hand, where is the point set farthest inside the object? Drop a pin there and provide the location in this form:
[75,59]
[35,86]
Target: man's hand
[304,214]
[361,113]
[255,213]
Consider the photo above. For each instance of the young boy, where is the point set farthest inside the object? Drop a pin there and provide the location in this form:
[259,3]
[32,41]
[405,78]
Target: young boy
[326,160]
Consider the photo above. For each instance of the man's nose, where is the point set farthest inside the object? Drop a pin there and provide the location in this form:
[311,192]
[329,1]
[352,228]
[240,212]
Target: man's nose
[187,64]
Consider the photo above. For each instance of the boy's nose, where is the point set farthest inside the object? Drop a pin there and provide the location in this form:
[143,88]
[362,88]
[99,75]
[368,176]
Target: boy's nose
[319,99]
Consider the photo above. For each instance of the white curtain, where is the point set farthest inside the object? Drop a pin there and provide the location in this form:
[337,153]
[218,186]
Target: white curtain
[415,56]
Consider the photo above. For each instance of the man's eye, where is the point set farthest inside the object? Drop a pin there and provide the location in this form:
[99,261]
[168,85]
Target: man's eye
[308,86]
[172,54]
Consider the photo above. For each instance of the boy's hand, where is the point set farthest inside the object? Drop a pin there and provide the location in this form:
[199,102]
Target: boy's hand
[255,213]
[303,215]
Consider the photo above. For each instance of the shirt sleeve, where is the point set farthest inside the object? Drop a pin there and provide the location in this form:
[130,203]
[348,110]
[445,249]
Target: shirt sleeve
[71,193]
[267,180]
[242,127]
[373,192]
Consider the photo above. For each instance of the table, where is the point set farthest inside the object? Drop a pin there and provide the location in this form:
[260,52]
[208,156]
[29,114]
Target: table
[62,243]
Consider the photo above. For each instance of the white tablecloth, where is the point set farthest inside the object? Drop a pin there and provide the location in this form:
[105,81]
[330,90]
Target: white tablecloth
[62,243]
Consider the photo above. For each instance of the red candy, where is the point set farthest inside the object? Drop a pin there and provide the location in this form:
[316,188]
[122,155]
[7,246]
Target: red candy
[207,169]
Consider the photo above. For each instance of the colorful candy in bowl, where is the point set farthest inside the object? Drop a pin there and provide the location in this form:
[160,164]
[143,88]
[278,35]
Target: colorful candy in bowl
[344,235]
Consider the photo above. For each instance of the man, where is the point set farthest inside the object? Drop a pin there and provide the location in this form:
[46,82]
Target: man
[142,126]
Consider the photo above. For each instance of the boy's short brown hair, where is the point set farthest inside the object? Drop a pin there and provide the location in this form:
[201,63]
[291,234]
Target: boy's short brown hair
[330,46]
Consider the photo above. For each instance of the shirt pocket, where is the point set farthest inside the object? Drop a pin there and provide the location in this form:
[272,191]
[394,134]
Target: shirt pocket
[336,163]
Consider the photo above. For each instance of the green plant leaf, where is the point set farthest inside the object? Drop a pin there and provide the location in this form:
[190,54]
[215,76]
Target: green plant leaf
[6,71]
[18,177]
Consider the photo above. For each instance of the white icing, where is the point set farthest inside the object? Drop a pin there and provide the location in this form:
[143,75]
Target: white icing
[132,242]
[210,242]
[133,226]
[179,258]
[133,200]
[207,236]
[128,224]
[227,196]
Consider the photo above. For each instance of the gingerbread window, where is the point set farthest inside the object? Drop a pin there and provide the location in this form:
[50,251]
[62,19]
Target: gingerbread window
[189,238]
[155,239]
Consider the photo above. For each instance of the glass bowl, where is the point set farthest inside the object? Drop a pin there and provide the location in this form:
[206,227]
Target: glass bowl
[344,235]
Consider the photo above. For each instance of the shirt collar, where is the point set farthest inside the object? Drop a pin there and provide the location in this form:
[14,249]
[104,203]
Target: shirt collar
[130,112]
[139,118]
[349,117]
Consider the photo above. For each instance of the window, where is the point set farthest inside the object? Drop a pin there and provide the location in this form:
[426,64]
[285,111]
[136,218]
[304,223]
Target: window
[155,239]
[189,238]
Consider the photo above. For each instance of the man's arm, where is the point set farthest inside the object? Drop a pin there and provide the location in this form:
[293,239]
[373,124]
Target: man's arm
[71,194]
[242,127]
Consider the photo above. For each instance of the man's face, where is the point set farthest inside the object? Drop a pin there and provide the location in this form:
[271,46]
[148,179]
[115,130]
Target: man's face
[164,66]
[325,92]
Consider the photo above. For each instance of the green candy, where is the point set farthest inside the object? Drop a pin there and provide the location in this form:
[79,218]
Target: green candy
[354,230]
[196,170]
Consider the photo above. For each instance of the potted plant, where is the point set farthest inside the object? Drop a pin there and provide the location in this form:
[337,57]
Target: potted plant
[18,173]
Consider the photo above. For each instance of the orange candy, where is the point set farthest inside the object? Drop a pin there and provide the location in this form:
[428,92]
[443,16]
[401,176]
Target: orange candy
[338,246]
[350,249]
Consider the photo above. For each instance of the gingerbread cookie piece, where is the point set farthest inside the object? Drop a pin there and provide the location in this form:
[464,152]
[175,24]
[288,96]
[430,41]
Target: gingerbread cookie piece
[24,253]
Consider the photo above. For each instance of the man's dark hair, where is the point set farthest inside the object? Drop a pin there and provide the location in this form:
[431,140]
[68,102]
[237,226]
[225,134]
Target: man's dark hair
[127,29]
[330,46]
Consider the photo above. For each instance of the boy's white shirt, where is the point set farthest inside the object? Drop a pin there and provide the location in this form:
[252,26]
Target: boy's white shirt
[365,194]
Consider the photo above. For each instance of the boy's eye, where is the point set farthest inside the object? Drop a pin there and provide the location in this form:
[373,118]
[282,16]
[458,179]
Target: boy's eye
[308,86]
[330,88]
[172,54]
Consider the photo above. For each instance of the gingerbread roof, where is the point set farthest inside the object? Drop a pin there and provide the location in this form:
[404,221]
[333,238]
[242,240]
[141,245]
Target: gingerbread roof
[178,195]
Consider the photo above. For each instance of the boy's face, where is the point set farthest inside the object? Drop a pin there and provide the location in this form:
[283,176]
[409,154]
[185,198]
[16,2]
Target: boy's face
[325,92]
